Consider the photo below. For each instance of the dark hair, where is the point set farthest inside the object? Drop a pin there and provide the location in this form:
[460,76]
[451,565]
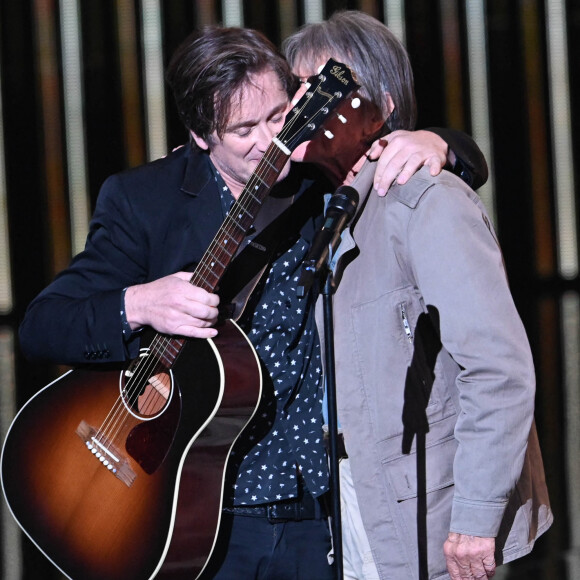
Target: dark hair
[209,68]
[365,44]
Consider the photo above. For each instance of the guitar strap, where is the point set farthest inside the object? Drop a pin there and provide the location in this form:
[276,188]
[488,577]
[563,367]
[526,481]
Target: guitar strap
[276,229]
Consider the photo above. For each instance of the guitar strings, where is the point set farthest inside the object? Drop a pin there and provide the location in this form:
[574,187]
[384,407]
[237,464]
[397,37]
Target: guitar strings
[151,364]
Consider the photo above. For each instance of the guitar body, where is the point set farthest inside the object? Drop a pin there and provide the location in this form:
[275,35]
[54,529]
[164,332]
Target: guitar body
[159,514]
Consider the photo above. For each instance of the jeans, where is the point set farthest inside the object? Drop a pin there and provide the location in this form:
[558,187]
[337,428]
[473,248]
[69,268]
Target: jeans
[260,550]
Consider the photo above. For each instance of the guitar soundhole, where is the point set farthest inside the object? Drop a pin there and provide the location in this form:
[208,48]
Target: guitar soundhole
[146,386]
[155,395]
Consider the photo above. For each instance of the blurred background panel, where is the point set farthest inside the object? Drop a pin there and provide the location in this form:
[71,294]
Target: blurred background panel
[82,95]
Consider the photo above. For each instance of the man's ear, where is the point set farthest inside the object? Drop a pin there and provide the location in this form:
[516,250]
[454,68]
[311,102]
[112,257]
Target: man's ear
[201,143]
[390,104]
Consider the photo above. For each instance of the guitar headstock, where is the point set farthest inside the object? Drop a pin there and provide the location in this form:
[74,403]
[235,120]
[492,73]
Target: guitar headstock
[334,83]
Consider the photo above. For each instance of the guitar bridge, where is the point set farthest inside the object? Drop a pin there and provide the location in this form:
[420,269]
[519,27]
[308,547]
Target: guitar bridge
[106,453]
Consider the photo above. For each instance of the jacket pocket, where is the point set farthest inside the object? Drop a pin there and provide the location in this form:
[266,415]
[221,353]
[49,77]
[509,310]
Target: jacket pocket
[424,496]
[402,471]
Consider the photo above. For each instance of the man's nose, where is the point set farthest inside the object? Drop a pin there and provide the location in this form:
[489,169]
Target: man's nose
[264,135]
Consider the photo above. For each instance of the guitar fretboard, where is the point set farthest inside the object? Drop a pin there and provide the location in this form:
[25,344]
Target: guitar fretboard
[241,216]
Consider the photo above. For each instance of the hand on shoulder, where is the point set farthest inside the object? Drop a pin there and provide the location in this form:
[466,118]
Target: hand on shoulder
[402,153]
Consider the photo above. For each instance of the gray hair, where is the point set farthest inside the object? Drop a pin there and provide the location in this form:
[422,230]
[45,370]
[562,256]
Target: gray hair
[365,44]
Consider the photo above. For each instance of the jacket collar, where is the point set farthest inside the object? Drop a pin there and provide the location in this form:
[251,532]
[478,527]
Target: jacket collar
[198,172]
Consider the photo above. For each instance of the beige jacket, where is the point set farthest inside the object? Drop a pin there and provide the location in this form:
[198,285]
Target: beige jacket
[435,381]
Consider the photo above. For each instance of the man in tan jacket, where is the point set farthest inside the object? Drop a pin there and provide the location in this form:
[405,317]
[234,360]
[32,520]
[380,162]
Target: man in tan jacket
[435,376]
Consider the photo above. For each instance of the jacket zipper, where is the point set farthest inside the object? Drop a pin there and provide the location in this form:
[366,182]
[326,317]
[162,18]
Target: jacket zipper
[406,325]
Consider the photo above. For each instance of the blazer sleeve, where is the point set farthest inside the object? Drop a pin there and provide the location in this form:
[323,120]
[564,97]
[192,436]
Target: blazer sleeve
[470,166]
[459,270]
[77,318]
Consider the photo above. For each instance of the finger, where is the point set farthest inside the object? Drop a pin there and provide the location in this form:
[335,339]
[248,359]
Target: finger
[202,314]
[459,571]
[187,276]
[388,168]
[376,149]
[478,570]
[197,332]
[408,170]
[453,568]
[489,565]
[202,296]
[436,165]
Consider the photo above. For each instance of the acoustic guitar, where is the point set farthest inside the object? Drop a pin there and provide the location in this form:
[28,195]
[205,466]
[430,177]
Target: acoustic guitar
[119,474]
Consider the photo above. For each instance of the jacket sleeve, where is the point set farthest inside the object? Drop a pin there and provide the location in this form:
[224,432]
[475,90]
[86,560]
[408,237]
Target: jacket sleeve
[470,166]
[77,318]
[459,271]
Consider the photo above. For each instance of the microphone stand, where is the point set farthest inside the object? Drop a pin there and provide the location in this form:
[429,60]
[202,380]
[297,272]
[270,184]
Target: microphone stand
[362,184]
[327,292]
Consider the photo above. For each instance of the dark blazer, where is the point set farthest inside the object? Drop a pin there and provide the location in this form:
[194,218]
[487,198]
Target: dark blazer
[149,222]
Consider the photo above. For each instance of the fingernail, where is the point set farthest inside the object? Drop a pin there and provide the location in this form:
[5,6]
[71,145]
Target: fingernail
[381,192]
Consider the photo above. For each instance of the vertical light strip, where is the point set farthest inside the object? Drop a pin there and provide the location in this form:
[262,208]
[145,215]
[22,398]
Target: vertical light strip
[370,7]
[313,11]
[206,12]
[5,272]
[287,11]
[395,18]
[130,88]
[479,94]
[11,537]
[454,105]
[155,128]
[559,88]
[538,141]
[233,12]
[74,122]
[46,50]
[570,324]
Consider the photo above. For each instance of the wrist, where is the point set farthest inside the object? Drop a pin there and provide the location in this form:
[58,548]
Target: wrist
[129,311]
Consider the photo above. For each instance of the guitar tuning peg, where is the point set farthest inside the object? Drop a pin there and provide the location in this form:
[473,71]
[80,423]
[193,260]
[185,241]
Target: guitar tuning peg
[355,103]
[341,118]
[328,134]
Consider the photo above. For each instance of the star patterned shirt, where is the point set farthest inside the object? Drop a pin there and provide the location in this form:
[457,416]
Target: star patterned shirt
[284,442]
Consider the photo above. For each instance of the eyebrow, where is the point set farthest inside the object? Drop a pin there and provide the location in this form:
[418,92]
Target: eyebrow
[253,122]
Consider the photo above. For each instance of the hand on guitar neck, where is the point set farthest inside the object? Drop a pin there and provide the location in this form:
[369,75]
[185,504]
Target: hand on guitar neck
[172,305]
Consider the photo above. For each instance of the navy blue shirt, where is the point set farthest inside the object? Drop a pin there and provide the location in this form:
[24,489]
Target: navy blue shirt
[285,438]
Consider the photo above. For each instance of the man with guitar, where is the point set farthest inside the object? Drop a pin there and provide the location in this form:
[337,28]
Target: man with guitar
[435,378]
[156,224]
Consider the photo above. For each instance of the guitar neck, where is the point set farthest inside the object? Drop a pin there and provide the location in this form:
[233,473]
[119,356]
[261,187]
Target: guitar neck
[228,238]
[241,216]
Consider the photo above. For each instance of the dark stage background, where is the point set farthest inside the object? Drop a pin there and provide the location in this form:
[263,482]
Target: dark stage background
[82,96]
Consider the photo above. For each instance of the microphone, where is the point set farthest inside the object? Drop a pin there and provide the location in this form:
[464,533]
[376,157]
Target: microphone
[339,211]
